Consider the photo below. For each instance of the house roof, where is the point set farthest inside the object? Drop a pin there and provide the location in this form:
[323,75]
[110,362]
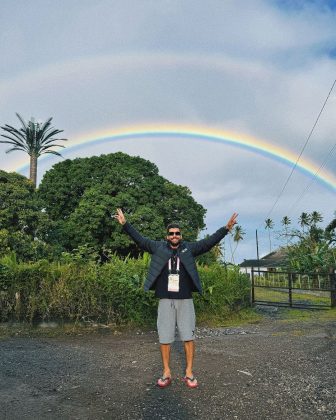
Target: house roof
[273,259]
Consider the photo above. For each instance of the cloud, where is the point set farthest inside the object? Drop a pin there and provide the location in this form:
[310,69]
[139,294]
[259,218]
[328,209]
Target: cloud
[257,68]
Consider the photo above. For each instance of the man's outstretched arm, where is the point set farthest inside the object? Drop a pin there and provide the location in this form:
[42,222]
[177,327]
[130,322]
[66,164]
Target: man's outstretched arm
[204,245]
[144,243]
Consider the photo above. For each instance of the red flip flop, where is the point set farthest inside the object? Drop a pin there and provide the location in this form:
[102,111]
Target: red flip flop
[190,382]
[163,382]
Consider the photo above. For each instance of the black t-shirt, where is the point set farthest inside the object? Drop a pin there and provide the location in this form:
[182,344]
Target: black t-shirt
[186,285]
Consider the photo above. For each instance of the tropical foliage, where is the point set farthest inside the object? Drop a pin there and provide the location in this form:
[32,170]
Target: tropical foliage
[312,249]
[33,138]
[81,290]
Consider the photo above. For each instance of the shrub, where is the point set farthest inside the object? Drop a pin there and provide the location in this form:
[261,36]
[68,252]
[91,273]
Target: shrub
[225,289]
[112,292]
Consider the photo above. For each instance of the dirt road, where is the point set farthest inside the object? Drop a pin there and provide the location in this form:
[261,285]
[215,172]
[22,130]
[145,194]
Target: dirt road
[273,370]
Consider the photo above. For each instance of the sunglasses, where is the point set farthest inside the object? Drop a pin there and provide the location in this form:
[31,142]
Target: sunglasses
[174,233]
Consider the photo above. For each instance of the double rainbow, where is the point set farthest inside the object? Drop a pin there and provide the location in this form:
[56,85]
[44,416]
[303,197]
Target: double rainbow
[201,134]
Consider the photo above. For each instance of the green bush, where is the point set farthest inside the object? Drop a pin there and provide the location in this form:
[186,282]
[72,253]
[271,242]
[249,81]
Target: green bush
[225,289]
[81,290]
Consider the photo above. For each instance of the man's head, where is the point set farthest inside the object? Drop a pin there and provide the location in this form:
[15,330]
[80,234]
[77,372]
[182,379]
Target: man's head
[174,234]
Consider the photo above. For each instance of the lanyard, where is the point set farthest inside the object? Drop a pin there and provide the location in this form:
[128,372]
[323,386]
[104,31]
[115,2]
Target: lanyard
[177,264]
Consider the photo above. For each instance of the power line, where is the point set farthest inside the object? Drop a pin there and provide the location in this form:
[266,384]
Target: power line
[329,155]
[302,150]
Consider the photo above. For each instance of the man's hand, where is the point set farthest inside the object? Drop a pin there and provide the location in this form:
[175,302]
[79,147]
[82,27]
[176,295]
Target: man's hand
[232,221]
[120,217]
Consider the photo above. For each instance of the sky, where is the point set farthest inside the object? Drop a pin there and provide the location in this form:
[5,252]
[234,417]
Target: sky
[257,71]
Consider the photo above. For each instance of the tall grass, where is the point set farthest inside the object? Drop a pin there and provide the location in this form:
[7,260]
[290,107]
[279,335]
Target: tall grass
[78,290]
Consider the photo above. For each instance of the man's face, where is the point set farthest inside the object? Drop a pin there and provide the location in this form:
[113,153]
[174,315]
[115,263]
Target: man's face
[174,236]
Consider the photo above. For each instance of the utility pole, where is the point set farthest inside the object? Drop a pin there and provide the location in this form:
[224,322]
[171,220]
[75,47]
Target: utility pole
[257,243]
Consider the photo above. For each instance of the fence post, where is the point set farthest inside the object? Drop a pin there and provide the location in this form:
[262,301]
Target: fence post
[252,286]
[290,289]
[332,276]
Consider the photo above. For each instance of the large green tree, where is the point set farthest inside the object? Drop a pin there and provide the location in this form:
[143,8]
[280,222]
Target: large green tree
[23,223]
[33,138]
[80,196]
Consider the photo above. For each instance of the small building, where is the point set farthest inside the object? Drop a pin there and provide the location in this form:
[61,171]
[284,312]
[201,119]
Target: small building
[269,262]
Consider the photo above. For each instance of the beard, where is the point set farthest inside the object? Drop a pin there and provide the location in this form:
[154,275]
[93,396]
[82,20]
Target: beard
[176,243]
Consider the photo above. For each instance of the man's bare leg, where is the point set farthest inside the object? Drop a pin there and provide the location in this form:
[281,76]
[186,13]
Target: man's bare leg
[189,349]
[165,354]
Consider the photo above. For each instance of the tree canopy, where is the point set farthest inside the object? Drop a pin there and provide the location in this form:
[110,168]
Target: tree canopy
[80,196]
[23,224]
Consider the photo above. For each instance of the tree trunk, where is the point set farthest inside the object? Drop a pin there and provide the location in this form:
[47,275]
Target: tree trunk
[33,169]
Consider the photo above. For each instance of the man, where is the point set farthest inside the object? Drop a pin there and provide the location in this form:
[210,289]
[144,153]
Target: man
[173,275]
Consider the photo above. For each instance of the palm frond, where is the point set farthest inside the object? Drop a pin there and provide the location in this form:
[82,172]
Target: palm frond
[52,140]
[21,120]
[16,148]
[52,145]
[45,128]
[47,131]
[13,141]
[45,148]
[52,130]
[47,124]
[13,131]
[51,135]
[6,141]
[53,153]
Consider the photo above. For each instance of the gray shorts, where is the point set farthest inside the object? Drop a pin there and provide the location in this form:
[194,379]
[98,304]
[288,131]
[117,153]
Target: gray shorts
[172,312]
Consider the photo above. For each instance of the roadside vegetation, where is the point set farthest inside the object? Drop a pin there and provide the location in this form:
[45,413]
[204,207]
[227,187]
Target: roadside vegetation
[112,293]
[310,249]
[64,258]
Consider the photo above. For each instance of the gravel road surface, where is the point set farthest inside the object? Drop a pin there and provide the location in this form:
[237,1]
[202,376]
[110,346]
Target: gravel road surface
[272,370]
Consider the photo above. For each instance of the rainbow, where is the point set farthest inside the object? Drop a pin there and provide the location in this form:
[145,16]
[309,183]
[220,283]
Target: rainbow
[200,134]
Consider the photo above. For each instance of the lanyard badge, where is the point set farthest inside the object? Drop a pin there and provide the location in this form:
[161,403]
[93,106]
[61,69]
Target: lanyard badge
[174,279]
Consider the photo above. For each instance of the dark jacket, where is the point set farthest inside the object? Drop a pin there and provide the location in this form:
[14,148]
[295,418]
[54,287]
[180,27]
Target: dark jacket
[161,253]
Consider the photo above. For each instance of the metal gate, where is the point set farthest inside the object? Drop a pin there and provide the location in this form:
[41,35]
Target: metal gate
[296,290]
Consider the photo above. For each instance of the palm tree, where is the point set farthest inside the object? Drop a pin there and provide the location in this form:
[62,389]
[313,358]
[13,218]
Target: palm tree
[238,235]
[315,218]
[304,220]
[269,225]
[286,221]
[33,138]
